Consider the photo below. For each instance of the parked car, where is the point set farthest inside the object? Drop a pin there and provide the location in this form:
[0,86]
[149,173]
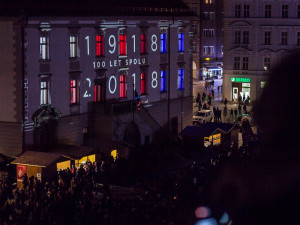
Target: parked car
[202,116]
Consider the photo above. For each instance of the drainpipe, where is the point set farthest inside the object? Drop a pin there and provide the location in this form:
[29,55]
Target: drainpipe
[23,25]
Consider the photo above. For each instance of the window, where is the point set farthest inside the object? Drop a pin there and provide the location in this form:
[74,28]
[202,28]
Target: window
[284,11]
[194,47]
[44,48]
[163,81]
[194,27]
[209,1]
[122,44]
[209,15]
[163,43]
[211,50]
[208,50]
[74,92]
[74,47]
[181,42]
[194,8]
[98,91]
[267,63]
[237,11]
[245,37]
[208,33]
[236,63]
[268,11]
[284,38]
[180,79]
[100,45]
[143,83]
[45,93]
[237,37]
[298,12]
[123,86]
[143,44]
[245,63]
[267,37]
[246,10]
[298,38]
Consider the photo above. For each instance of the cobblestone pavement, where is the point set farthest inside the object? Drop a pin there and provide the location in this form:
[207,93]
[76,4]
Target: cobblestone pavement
[199,86]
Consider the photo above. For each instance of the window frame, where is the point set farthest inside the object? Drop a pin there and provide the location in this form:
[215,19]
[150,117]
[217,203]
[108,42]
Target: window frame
[284,11]
[74,47]
[123,86]
[245,63]
[163,81]
[45,98]
[246,11]
[74,91]
[267,63]
[181,42]
[143,83]
[267,38]
[44,47]
[298,38]
[237,10]
[236,63]
[163,42]
[99,45]
[144,44]
[246,37]
[237,37]
[268,11]
[122,45]
[180,80]
[284,38]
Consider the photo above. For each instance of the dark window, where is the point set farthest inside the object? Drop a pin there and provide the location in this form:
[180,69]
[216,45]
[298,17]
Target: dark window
[284,11]
[246,10]
[245,63]
[236,63]
[284,38]
[245,37]
[237,11]
[267,37]
[268,11]
[237,37]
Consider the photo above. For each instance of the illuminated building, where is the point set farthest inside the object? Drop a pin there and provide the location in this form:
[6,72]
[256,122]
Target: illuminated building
[207,42]
[72,74]
[257,35]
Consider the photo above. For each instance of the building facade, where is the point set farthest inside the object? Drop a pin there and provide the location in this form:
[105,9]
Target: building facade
[77,79]
[195,7]
[211,38]
[257,35]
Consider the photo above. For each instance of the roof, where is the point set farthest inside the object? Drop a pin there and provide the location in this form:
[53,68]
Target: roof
[73,151]
[207,129]
[40,159]
[93,7]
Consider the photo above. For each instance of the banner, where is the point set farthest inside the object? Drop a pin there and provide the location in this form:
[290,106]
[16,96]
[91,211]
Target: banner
[21,170]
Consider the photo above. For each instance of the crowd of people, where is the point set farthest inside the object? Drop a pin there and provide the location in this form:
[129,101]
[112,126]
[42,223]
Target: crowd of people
[73,197]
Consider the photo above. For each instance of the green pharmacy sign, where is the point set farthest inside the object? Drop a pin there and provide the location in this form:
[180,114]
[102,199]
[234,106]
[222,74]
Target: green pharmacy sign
[240,79]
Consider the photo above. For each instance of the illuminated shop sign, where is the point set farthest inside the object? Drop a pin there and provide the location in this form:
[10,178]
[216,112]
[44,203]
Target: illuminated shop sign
[240,79]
